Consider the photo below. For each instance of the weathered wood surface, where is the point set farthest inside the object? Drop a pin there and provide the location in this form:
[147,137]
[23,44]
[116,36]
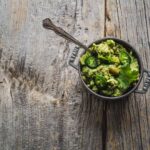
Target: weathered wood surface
[43,105]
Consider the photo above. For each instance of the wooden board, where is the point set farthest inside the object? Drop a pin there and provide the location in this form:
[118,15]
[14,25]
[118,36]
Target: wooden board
[43,105]
[128,121]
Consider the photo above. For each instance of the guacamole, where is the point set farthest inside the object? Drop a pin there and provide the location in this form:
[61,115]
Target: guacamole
[109,69]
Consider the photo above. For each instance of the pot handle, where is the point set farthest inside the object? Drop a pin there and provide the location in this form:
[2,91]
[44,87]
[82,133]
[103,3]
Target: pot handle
[146,84]
[73,57]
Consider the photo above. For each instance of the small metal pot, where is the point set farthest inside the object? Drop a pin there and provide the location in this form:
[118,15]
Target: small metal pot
[135,89]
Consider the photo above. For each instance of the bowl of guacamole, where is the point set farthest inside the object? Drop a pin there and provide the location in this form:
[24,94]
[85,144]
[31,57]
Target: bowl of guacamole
[110,68]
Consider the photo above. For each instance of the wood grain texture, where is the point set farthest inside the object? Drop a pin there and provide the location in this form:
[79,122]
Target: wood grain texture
[43,105]
[128,121]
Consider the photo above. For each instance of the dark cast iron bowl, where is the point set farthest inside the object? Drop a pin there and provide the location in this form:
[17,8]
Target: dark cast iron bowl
[146,84]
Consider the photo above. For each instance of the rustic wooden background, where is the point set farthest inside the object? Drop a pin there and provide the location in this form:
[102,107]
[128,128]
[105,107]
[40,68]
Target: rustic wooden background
[43,105]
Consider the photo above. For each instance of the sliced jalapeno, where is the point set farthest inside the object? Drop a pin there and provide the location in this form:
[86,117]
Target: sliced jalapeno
[91,62]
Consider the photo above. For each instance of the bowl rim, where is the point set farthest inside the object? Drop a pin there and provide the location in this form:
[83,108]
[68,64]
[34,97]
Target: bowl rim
[139,62]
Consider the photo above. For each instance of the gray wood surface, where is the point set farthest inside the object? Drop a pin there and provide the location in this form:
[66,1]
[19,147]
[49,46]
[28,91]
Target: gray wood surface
[43,105]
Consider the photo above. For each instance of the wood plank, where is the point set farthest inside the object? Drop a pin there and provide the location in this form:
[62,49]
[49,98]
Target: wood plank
[128,121]
[42,103]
